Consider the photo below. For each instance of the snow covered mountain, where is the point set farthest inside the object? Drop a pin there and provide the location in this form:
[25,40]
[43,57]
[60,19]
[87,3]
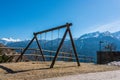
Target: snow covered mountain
[86,44]
[100,34]
[90,35]
[8,40]
[116,35]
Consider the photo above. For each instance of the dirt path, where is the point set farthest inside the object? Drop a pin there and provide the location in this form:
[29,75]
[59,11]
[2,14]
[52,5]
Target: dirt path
[109,75]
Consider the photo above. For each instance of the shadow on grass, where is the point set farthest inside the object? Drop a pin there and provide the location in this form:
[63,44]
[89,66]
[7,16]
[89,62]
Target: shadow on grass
[8,70]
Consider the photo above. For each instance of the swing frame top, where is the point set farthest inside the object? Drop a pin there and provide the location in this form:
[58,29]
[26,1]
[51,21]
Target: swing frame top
[55,28]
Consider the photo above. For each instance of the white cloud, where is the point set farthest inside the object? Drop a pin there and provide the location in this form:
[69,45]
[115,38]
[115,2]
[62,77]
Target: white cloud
[11,39]
[112,27]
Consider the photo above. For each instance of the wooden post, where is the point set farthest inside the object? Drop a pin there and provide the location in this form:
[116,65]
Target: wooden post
[25,50]
[61,43]
[74,49]
[39,48]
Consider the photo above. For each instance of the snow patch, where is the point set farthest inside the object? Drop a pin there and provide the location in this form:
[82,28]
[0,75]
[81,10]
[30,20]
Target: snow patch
[91,35]
[11,39]
[114,63]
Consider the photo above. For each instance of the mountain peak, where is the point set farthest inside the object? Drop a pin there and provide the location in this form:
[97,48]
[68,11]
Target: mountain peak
[90,35]
[11,39]
[106,33]
[96,35]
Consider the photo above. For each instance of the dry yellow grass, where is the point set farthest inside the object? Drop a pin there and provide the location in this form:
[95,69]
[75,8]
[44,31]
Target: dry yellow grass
[40,70]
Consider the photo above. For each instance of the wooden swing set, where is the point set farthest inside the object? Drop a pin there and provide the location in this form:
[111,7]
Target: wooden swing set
[67,27]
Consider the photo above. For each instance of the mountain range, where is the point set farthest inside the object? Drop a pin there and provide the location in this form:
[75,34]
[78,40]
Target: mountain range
[86,44]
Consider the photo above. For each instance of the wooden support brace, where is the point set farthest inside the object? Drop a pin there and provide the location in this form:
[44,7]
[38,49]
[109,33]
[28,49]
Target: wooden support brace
[20,57]
[73,45]
[54,59]
[40,48]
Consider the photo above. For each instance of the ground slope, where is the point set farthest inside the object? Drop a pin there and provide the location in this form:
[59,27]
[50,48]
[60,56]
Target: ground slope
[41,70]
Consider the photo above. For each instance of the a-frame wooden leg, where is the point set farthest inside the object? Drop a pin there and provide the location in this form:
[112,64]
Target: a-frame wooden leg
[40,48]
[54,59]
[25,49]
[73,45]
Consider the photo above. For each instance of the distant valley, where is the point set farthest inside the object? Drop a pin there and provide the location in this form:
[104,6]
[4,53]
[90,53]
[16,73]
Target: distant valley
[86,44]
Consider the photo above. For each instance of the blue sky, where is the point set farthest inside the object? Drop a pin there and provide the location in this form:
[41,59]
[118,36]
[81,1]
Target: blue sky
[20,18]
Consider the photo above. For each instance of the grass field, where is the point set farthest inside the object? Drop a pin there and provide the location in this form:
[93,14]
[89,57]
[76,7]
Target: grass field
[41,70]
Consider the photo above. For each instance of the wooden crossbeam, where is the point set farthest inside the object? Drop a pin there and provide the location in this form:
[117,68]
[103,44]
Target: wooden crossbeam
[56,28]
